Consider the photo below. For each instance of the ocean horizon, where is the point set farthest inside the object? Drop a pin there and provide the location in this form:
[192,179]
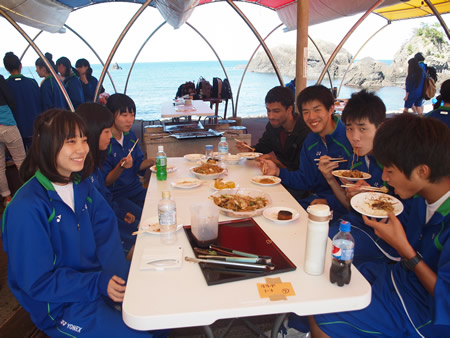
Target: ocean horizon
[150,84]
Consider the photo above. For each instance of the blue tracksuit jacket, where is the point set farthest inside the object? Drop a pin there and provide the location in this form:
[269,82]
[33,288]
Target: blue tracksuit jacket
[120,209]
[74,90]
[60,261]
[385,315]
[51,95]
[28,102]
[308,176]
[89,89]
[128,184]
[441,113]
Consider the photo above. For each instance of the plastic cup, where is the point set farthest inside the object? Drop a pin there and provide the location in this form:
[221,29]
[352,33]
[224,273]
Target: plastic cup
[204,223]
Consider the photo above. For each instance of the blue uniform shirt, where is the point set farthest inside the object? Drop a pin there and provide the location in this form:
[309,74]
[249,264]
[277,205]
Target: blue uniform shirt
[74,90]
[441,113]
[28,102]
[51,94]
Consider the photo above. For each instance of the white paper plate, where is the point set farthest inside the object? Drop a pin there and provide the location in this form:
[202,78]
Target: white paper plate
[211,185]
[186,183]
[193,157]
[232,159]
[250,155]
[362,203]
[207,176]
[169,168]
[151,225]
[274,180]
[338,173]
[272,214]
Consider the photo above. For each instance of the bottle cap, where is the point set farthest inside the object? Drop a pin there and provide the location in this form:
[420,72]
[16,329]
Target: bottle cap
[223,138]
[319,212]
[344,226]
[166,194]
[160,148]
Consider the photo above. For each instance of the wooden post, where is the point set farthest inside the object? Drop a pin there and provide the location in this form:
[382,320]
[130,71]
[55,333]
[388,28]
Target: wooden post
[302,46]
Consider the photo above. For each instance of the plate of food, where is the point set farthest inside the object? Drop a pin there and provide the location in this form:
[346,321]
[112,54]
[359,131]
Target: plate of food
[351,175]
[186,183]
[206,171]
[250,155]
[280,214]
[169,168]
[151,226]
[376,204]
[265,180]
[193,157]
[241,203]
[220,184]
[231,159]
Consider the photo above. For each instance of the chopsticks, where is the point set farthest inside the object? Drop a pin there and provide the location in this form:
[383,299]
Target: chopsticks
[336,159]
[234,264]
[244,144]
[132,148]
[366,187]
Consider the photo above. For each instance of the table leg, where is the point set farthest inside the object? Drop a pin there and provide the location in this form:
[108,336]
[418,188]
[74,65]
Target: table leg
[277,324]
[208,331]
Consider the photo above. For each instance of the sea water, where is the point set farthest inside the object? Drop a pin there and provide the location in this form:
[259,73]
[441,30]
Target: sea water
[150,84]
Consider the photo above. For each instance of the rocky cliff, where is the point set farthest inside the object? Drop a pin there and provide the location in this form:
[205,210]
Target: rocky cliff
[365,73]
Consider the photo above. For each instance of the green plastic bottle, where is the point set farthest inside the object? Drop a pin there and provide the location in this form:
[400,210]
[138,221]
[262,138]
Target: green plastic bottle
[161,164]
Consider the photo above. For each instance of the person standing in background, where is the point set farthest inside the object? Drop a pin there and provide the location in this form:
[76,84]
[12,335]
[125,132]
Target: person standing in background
[9,137]
[414,87]
[88,82]
[71,81]
[51,94]
[442,106]
[27,96]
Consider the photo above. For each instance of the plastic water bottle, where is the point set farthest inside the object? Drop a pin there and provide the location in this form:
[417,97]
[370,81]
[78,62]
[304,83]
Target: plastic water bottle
[223,147]
[167,213]
[342,255]
[319,216]
[208,151]
[161,164]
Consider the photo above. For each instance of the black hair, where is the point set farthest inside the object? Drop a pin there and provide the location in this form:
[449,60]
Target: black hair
[11,62]
[40,62]
[120,103]
[364,105]
[50,130]
[419,57]
[97,117]
[316,92]
[445,91]
[281,94]
[66,63]
[414,72]
[407,141]
[84,63]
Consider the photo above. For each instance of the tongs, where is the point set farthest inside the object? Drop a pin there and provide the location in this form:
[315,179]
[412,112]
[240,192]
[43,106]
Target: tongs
[232,264]
[231,252]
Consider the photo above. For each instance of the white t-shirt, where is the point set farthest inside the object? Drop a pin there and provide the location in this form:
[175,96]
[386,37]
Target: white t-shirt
[120,140]
[431,208]
[66,194]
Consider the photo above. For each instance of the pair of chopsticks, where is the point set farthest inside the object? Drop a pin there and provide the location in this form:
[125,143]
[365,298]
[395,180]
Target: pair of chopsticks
[366,188]
[245,144]
[256,266]
[336,159]
[132,148]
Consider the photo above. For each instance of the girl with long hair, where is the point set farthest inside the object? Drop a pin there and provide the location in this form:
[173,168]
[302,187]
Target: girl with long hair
[88,81]
[51,94]
[71,81]
[414,87]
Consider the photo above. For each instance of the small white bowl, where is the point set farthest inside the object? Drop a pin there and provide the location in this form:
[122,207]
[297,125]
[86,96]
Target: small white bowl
[231,159]
[207,176]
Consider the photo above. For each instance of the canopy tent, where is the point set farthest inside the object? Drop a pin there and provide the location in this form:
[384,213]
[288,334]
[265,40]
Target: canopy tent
[413,9]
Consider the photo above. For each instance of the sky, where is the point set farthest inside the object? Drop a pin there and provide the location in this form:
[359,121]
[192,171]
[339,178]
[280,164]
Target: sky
[228,34]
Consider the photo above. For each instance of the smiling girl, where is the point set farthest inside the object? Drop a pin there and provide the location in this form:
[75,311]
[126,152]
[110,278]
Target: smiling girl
[65,263]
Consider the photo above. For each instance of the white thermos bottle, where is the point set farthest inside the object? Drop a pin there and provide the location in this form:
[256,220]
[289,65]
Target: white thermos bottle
[319,216]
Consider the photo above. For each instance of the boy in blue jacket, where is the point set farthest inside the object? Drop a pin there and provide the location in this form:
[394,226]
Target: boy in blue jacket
[120,168]
[27,96]
[411,297]
[327,140]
